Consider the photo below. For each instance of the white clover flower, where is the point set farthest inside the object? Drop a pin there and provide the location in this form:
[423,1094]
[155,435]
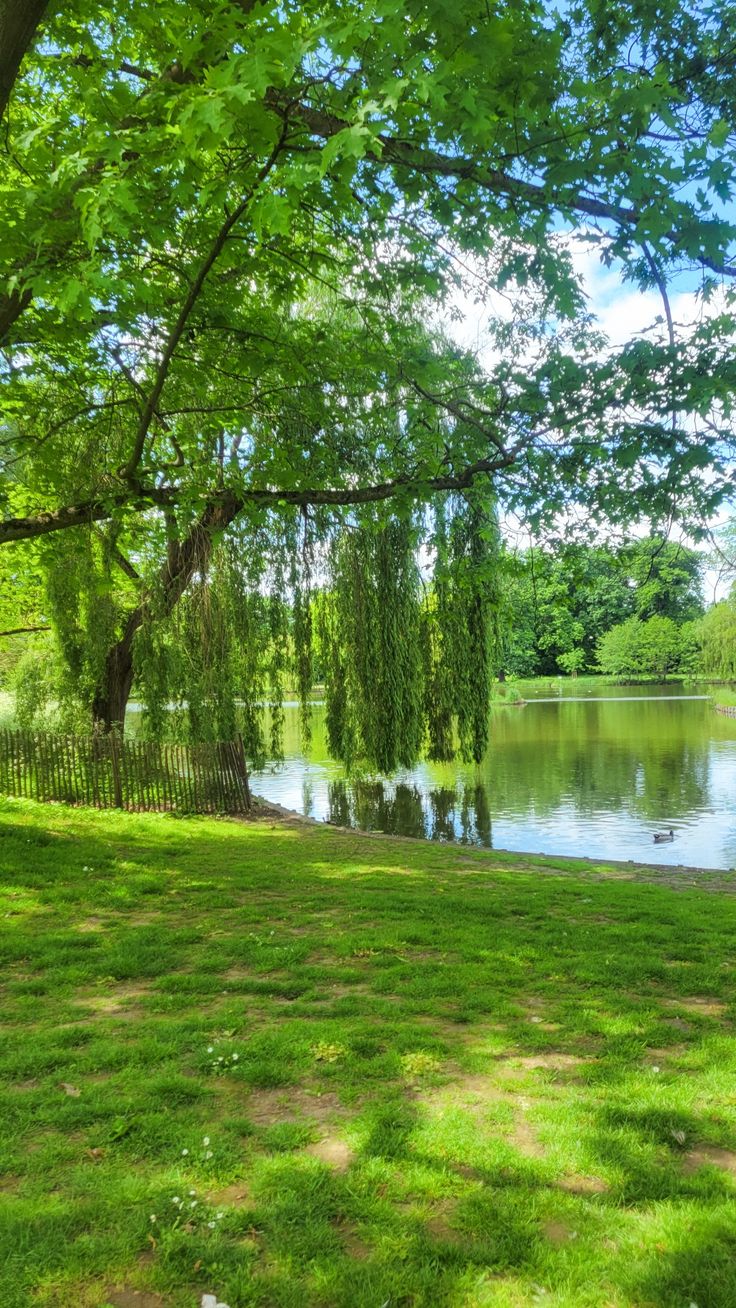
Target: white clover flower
[175,1199]
[191,1192]
[206,1140]
[236,1057]
[211,1225]
[209,1154]
[210,1049]
[152,1217]
[184,1153]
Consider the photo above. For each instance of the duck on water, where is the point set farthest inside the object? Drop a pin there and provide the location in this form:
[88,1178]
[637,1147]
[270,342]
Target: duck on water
[661,836]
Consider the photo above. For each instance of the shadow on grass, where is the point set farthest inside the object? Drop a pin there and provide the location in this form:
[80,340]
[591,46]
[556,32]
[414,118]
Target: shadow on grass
[422,1004]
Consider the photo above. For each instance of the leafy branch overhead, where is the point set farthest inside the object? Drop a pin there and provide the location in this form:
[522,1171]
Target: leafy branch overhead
[231,250]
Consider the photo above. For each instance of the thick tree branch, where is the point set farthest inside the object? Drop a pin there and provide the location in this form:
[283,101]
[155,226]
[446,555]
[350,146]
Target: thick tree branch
[536,195]
[12,306]
[19,22]
[230,502]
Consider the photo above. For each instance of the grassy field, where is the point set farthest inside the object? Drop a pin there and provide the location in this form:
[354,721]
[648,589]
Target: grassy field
[294,1067]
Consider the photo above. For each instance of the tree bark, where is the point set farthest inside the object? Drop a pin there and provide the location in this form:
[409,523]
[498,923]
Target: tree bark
[184,558]
[113,691]
[19,22]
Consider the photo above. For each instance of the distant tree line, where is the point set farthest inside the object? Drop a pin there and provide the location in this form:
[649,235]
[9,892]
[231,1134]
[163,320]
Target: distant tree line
[626,609]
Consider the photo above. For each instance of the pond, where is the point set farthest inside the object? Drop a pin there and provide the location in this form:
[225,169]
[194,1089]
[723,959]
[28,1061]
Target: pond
[591,775]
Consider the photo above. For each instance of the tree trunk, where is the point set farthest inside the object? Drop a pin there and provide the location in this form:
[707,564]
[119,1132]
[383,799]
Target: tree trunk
[19,20]
[184,559]
[113,691]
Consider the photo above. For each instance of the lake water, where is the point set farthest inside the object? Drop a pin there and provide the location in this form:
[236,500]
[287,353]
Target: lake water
[593,775]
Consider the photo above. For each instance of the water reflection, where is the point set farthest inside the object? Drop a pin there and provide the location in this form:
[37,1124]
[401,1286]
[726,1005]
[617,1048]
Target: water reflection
[585,777]
[442,813]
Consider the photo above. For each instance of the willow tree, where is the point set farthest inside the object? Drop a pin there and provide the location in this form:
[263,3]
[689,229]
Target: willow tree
[219,236]
[716,636]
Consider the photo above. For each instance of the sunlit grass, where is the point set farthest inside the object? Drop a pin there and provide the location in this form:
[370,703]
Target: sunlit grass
[300,1068]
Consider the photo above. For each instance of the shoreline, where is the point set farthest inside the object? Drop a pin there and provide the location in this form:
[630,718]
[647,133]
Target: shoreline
[568,862]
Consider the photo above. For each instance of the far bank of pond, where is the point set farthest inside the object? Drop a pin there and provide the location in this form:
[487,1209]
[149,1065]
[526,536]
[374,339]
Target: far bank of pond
[582,769]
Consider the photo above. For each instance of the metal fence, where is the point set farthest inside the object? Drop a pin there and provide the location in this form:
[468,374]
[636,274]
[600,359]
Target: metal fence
[108,771]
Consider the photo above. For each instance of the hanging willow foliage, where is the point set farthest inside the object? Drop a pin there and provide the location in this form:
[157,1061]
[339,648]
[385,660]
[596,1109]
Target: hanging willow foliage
[222,656]
[407,664]
[460,632]
[394,612]
[78,591]
[371,630]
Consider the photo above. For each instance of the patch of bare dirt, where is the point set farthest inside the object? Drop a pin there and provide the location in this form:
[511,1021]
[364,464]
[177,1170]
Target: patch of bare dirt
[535,1012]
[352,1243]
[466,1171]
[710,1155]
[667,1051]
[440,1227]
[469,1091]
[421,955]
[237,1195]
[344,991]
[583,1185]
[238,973]
[677,1023]
[115,1001]
[557,1232]
[128,1298]
[551,1062]
[523,1138]
[333,1151]
[700,1005]
[266,1107]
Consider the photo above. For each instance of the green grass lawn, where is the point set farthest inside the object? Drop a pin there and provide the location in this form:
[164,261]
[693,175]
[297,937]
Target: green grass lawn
[296,1067]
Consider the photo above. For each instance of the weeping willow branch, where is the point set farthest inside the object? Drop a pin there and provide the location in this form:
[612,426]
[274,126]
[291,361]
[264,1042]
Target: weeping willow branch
[231,503]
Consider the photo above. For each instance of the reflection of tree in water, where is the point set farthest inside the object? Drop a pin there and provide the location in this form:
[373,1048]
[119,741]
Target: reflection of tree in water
[475,812]
[461,813]
[378,806]
[650,757]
